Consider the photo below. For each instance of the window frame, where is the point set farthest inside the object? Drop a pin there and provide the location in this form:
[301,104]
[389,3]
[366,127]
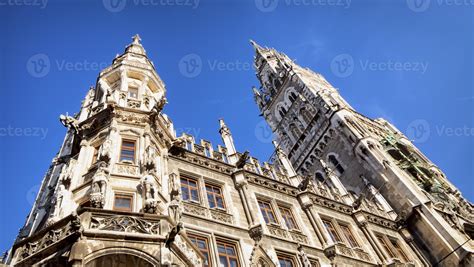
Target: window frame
[215,195]
[351,236]
[192,236]
[386,245]
[265,214]
[289,211]
[332,224]
[123,195]
[395,243]
[129,140]
[130,94]
[189,190]
[95,154]
[288,257]
[227,244]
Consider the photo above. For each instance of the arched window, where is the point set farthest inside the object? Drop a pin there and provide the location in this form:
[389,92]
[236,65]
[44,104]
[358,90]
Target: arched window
[335,164]
[295,131]
[306,114]
[292,96]
[282,112]
[319,176]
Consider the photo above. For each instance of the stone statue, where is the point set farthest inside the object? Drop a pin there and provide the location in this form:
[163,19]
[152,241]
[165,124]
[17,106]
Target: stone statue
[303,257]
[174,208]
[149,161]
[69,122]
[149,194]
[106,150]
[67,173]
[99,186]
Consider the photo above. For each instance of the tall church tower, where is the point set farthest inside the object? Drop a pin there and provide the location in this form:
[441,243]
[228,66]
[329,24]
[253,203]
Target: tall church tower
[327,140]
[108,198]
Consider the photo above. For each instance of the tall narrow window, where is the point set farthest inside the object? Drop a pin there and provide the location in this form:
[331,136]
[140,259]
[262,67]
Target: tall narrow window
[214,196]
[207,151]
[335,164]
[189,145]
[401,253]
[127,152]
[320,177]
[292,96]
[286,261]
[133,92]
[189,189]
[224,158]
[386,246]
[332,231]
[349,236]
[203,246]
[267,212]
[227,254]
[123,202]
[288,218]
[96,154]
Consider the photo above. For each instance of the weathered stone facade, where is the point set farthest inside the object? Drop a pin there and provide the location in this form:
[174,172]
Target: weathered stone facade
[341,190]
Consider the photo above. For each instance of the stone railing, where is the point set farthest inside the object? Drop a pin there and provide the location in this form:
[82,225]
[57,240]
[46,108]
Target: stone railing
[49,239]
[276,230]
[212,214]
[133,103]
[342,249]
[295,235]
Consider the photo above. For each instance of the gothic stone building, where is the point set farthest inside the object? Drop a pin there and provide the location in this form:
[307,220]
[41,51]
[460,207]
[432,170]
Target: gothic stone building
[340,190]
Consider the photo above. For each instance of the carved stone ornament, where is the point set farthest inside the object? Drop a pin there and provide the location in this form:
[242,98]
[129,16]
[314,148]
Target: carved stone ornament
[123,223]
[256,232]
[70,122]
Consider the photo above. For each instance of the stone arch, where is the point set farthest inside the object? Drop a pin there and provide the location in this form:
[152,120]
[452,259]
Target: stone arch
[280,110]
[114,256]
[290,95]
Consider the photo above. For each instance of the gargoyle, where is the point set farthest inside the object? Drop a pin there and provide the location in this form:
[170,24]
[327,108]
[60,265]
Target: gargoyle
[242,160]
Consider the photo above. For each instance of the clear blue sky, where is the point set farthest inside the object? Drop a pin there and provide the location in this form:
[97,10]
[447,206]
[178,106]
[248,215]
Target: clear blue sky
[411,64]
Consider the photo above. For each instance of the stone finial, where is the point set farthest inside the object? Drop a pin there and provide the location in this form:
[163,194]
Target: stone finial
[136,39]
